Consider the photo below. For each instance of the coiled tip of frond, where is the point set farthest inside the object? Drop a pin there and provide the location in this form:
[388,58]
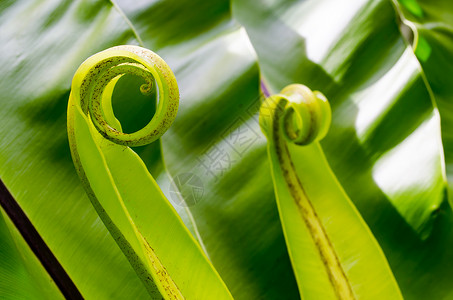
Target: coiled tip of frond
[304,116]
[101,71]
[146,88]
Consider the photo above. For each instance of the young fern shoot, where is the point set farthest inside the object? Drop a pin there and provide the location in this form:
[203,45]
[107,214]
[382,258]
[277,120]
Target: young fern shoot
[333,253]
[144,224]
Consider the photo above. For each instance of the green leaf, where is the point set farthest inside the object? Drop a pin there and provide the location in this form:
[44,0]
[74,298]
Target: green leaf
[333,252]
[126,197]
[432,25]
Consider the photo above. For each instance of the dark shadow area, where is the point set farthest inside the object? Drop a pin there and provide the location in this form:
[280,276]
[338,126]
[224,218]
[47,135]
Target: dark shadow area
[153,25]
